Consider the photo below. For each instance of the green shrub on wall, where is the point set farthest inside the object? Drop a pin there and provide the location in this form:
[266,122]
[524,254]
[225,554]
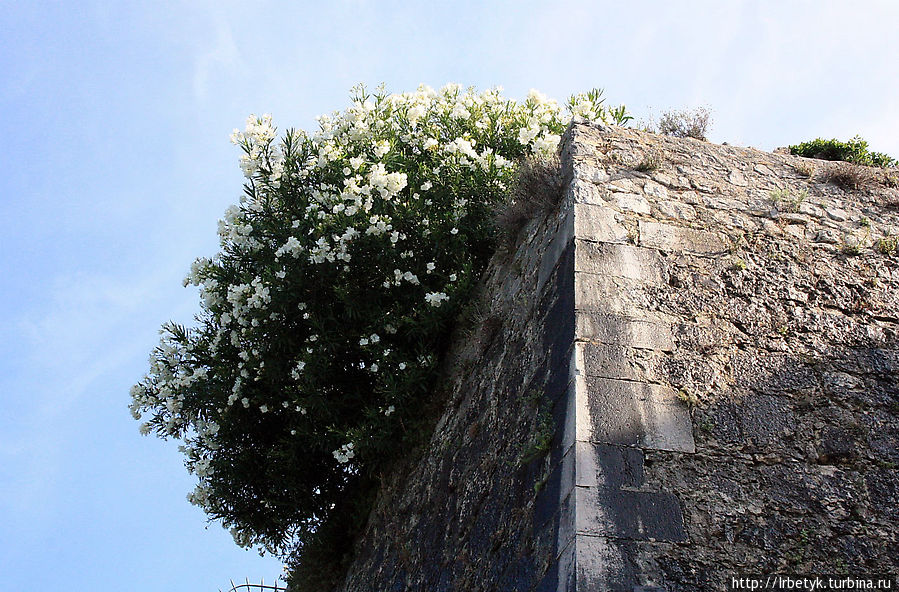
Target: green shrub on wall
[323,313]
[854,151]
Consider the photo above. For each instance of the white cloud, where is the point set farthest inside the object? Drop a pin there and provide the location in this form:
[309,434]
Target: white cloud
[220,56]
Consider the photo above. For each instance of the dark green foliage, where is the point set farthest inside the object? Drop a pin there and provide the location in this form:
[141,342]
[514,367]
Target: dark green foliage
[854,151]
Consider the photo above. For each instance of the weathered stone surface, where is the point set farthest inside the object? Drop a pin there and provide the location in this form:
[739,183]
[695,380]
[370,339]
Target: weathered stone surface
[626,261]
[655,190]
[586,193]
[631,413]
[624,185]
[608,466]
[553,251]
[644,333]
[626,514]
[598,223]
[603,360]
[676,210]
[667,237]
[632,202]
[737,178]
[611,294]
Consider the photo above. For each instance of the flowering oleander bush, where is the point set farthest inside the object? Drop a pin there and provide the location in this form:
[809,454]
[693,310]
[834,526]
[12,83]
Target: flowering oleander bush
[323,314]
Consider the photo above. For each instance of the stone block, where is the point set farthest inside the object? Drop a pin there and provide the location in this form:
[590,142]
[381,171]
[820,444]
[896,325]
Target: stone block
[763,170]
[766,419]
[565,418]
[634,515]
[598,223]
[837,214]
[646,333]
[676,210]
[583,192]
[603,564]
[655,190]
[667,237]
[558,382]
[629,413]
[561,576]
[559,330]
[606,360]
[590,173]
[625,261]
[610,294]
[737,178]
[557,533]
[558,486]
[624,185]
[837,445]
[608,466]
[633,202]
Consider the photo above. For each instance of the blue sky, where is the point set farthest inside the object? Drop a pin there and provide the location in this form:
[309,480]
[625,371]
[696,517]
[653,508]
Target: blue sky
[117,166]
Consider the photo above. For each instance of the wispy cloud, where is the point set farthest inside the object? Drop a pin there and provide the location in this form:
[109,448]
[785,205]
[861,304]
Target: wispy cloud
[220,55]
[83,341]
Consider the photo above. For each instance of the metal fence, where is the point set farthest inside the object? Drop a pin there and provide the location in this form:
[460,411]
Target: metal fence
[261,587]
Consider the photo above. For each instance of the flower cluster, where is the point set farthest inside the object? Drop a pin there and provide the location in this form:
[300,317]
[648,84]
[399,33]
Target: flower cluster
[339,272]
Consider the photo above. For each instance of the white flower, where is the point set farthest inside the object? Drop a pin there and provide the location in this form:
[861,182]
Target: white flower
[344,453]
[460,112]
[402,366]
[297,370]
[389,410]
[415,113]
[435,299]
[263,408]
[527,134]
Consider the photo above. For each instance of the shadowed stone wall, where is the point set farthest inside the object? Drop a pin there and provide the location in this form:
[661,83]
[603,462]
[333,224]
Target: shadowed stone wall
[713,344]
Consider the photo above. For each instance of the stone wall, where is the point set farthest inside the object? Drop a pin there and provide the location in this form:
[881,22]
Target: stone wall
[463,516]
[708,334]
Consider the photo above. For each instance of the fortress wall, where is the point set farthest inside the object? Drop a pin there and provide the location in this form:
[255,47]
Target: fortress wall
[713,344]
[729,292]
[464,516]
